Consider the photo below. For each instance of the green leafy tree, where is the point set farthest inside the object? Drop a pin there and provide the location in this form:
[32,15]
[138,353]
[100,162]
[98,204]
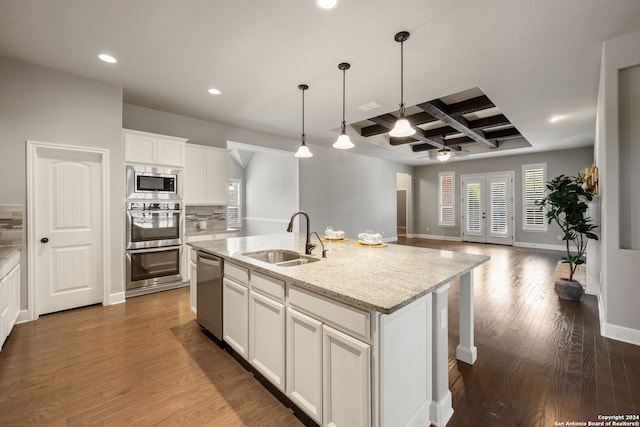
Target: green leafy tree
[565,203]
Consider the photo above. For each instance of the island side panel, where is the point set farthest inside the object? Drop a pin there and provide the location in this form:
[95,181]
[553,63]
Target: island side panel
[441,406]
[405,365]
[466,350]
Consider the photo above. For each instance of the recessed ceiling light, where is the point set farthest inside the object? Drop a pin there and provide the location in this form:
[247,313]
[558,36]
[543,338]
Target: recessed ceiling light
[554,119]
[326,4]
[214,91]
[107,58]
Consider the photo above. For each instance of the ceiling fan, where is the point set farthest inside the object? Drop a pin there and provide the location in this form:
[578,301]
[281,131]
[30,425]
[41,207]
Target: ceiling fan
[445,153]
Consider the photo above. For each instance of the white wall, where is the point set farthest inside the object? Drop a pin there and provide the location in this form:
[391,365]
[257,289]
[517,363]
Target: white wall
[567,162]
[619,290]
[198,131]
[350,192]
[46,105]
[271,185]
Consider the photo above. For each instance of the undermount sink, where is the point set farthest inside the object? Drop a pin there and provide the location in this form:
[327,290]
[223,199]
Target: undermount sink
[280,257]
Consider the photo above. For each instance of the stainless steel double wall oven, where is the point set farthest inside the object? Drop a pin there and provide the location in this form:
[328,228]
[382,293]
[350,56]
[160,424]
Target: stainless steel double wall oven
[154,219]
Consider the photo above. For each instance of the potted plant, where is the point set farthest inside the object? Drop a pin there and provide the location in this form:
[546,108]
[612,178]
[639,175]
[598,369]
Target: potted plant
[565,203]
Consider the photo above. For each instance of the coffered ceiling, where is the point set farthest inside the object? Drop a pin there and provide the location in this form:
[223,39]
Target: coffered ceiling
[533,59]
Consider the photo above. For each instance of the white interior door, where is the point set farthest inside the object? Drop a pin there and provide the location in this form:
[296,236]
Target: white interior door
[487,201]
[67,212]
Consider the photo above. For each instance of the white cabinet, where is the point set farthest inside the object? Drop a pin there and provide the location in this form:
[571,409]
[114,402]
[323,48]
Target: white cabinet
[346,379]
[153,149]
[328,370]
[304,363]
[206,175]
[266,337]
[9,295]
[235,313]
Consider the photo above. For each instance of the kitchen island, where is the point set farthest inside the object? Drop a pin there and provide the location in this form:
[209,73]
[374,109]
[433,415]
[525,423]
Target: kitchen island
[357,338]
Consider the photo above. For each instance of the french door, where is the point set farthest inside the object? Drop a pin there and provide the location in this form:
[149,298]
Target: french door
[487,208]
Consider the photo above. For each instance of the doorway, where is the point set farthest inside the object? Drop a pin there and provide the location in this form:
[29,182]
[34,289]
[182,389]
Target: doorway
[487,208]
[67,220]
[402,212]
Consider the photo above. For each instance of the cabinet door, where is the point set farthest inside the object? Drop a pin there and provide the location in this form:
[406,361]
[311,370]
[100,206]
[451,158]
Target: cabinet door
[304,363]
[346,380]
[217,177]
[169,152]
[194,175]
[235,316]
[266,337]
[139,148]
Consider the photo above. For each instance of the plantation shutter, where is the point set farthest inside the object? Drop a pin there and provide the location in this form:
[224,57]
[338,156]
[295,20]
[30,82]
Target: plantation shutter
[499,209]
[533,181]
[233,207]
[446,197]
[474,208]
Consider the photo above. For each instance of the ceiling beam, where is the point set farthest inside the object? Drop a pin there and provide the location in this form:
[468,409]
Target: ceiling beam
[418,136]
[384,123]
[486,122]
[442,111]
[503,133]
[471,105]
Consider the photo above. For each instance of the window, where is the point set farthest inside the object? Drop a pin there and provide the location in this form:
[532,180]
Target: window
[234,211]
[446,199]
[533,189]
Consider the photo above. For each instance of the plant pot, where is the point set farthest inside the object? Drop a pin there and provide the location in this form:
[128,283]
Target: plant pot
[569,290]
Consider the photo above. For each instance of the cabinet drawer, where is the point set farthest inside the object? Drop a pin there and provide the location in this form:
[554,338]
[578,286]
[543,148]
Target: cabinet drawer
[237,273]
[268,286]
[343,317]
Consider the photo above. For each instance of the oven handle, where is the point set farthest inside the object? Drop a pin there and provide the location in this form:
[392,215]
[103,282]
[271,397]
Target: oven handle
[164,248]
[154,210]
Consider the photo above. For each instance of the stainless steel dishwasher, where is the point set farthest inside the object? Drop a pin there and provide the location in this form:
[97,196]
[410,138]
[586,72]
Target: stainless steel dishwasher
[209,293]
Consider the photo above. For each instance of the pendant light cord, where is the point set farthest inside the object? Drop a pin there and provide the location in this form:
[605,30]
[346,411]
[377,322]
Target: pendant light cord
[303,135]
[402,78]
[344,74]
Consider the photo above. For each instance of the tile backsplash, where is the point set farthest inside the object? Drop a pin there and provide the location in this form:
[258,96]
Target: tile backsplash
[11,230]
[205,219]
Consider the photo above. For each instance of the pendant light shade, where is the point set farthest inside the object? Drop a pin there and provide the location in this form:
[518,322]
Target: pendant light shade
[402,126]
[303,150]
[343,142]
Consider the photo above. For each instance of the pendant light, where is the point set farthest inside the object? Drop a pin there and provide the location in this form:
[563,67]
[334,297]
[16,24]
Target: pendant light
[343,142]
[402,126]
[303,150]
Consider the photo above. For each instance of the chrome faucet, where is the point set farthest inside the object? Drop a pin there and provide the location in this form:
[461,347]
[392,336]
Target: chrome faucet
[308,247]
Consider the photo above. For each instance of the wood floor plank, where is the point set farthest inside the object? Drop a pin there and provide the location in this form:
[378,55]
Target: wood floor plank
[146,362]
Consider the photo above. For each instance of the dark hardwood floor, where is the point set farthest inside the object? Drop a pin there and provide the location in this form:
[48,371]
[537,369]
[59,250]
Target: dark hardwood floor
[146,362]
[540,359]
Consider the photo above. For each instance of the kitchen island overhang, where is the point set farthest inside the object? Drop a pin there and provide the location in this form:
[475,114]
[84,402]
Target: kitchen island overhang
[406,291]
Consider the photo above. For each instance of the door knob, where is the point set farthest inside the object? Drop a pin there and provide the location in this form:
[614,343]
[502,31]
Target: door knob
[44,240]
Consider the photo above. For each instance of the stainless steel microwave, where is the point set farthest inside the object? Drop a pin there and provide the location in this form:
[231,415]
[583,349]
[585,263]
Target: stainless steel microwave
[148,182]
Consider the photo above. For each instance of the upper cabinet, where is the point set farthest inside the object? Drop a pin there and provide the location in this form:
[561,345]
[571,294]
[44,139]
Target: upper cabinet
[206,175]
[153,149]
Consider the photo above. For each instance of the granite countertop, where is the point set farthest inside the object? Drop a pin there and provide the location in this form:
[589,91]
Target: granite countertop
[378,279]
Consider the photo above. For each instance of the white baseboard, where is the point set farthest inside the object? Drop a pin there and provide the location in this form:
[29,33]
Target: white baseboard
[23,316]
[117,298]
[390,239]
[434,237]
[616,332]
[539,246]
